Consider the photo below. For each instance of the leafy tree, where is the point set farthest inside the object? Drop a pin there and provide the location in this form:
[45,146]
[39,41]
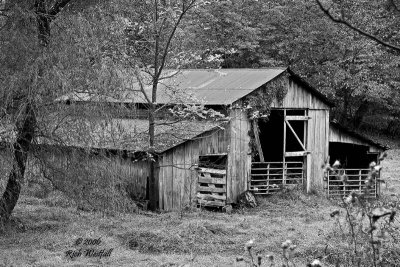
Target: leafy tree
[49,50]
[25,36]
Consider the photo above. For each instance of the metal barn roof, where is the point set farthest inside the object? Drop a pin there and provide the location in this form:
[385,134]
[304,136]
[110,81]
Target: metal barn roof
[207,86]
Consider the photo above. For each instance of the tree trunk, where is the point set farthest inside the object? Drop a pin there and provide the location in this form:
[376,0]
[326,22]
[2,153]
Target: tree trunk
[360,113]
[25,126]
[152,109]
[152,175]
[25,134]
[346,101]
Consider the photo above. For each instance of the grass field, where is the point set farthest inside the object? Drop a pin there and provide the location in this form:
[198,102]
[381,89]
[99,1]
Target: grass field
[43,233]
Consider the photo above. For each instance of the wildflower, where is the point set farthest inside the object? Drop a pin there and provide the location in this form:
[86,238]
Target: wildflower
[286,244]
[377,168]
[315,263]
[348,199]
[336,164]
[249,244]
[372,164]
[334,213]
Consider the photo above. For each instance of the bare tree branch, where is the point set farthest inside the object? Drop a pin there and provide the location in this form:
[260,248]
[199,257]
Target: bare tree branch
[164,55]
[58,6]
[356,29]
[141,86]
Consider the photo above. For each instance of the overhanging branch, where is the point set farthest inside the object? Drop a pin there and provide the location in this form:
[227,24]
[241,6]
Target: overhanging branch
[58,6]
[356,29]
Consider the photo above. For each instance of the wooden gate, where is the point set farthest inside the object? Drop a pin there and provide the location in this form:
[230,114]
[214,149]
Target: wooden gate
[269,177]
[335,186]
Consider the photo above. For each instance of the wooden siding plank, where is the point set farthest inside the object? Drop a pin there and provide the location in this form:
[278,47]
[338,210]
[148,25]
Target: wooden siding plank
[178,176]
[194,154]
[168,181]
[187,176]
[231,176]
[161,183]
[246,156]
[318,147]
[310,141]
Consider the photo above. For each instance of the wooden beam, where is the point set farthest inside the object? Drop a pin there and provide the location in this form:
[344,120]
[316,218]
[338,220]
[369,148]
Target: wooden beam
[211,203]
[205,180]
[256,132]
[216,154]
[211,189]
[296,154]
[211,197]
[214,171]
[298,118]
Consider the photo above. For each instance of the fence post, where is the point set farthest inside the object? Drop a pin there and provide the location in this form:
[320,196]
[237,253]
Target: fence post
[284,173]
[268,166]
[328,181]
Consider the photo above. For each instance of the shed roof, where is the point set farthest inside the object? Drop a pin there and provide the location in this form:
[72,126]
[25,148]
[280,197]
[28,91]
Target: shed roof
[207,86]
[123,134]
[338,126]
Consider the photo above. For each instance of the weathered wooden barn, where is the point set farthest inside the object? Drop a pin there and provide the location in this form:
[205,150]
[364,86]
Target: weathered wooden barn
[276,133]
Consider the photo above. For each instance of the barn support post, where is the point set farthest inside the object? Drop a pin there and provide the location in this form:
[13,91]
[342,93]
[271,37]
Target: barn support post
[284,148]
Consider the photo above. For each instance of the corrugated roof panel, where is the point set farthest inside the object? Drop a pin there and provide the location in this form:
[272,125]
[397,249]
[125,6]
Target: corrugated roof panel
[211,86]
[222,86]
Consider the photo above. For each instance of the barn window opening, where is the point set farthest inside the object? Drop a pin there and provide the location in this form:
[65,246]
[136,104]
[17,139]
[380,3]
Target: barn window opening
[215,161]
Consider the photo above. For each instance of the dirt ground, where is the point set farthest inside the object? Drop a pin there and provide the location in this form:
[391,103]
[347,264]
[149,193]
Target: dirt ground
[46,235]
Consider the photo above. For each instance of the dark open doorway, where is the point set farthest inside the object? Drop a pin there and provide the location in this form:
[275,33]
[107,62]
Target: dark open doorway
[278,137]
[271,136]
[351,156]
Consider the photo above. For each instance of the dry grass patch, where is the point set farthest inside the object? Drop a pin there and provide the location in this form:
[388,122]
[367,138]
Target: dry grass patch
[201,238]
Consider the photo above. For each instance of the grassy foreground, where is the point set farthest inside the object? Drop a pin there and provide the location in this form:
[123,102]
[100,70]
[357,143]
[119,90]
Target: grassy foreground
[43,232]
